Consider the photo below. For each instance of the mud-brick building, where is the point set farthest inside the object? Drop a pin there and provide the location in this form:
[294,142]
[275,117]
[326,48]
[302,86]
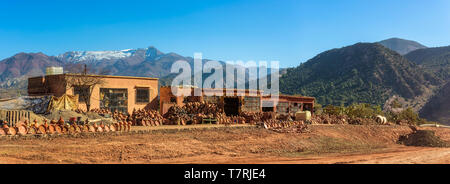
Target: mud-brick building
[235,101]
[120,93]
[288,104]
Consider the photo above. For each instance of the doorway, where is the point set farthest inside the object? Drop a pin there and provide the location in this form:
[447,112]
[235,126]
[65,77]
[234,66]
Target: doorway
[231,106]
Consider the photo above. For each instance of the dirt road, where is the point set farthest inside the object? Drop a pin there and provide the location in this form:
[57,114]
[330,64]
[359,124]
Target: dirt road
[244,145]
[400,155]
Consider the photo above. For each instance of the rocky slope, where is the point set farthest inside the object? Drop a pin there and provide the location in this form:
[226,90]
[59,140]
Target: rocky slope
[438,107]
[436,60]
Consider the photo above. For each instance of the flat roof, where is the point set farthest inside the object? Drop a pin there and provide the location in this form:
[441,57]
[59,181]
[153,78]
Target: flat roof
[289,97]
[296,97]
[212,89]
[103,76]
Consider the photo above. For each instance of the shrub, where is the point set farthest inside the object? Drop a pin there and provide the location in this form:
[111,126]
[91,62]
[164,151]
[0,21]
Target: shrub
[333,110]
[408,115]
[368,111]
[355,110]
[363,111]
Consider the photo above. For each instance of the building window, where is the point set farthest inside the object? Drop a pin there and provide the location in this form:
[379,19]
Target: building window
[252,104]
[114,99]
[82,92]
[295,108]
[142,95]
[283,107]
[173,100]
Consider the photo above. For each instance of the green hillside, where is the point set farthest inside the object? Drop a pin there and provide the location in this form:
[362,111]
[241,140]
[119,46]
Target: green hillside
[361,73]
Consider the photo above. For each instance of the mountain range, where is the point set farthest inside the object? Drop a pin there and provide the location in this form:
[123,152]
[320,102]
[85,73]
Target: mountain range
[377,73]
[364,72]
[147,62]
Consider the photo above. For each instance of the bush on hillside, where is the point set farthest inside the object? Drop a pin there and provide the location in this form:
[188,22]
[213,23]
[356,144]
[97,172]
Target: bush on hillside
[367,111]
[355,110]
[407,115]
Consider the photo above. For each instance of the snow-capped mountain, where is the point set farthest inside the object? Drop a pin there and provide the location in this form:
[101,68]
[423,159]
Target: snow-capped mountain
[145,62]
[94,56]
[82,56]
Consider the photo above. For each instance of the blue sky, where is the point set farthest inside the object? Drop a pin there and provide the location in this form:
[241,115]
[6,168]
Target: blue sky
[290,31]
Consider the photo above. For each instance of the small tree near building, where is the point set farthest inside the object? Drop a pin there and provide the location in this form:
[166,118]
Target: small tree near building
[83,84]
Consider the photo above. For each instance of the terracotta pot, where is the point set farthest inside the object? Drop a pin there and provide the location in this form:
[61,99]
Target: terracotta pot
[53,121]
[2,131]
[60,121]
[85,128]
[32,131]
[78,129]
[112,128]
[42,129]
[58,129]
[65,129]
[12,131]
[91,128]
[106,128]
[118,127]
[72,129]
[51,129]
[22,130]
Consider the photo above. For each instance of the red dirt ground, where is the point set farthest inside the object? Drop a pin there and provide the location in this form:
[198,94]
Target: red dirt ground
[325,144]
